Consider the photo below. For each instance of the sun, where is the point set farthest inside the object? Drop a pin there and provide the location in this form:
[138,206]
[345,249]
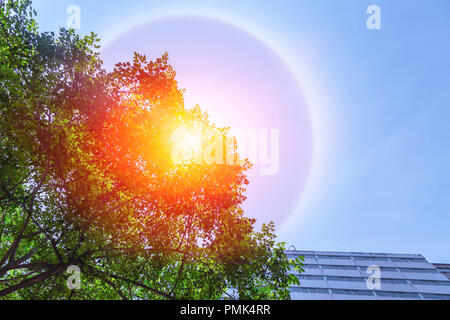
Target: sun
[187,145]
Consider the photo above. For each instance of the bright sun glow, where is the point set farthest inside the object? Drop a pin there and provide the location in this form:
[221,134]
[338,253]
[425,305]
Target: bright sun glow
[187,144]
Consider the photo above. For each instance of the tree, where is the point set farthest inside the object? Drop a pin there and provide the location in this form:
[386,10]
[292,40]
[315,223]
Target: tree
[87,178]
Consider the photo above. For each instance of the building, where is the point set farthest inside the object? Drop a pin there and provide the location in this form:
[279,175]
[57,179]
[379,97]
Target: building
[443,268]
[346,275]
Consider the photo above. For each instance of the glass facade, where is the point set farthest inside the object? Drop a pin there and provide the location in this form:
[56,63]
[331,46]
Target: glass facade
[369,276]
[443,268]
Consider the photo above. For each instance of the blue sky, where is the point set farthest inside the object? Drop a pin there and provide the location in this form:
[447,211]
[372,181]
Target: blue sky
[378,103]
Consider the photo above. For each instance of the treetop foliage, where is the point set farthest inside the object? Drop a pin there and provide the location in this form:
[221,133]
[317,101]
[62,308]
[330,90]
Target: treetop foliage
[87,179]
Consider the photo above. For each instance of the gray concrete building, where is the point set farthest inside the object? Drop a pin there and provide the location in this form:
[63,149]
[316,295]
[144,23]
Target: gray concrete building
[370,276]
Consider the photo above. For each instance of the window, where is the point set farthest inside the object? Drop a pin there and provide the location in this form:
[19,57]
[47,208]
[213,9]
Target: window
[398,294]
[408,259]
[394,281]
[311,266]
[311,277]
[430,282]
[341,291]
[417,270]
[297,289]
[352,292]
[334,267]
[398,259]
[386,294]
[370,258]
[436,296]
[347,279]
[362,293]
[388,269]
[310,290]
[408,295]
[334,257]
[318,290]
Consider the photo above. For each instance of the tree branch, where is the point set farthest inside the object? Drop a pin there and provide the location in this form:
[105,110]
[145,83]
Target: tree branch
[134,282]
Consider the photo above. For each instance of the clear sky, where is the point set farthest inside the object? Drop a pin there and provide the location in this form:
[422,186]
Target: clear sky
[363,115]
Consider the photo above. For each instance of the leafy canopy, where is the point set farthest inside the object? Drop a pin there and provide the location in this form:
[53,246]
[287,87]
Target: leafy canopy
[87,179]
